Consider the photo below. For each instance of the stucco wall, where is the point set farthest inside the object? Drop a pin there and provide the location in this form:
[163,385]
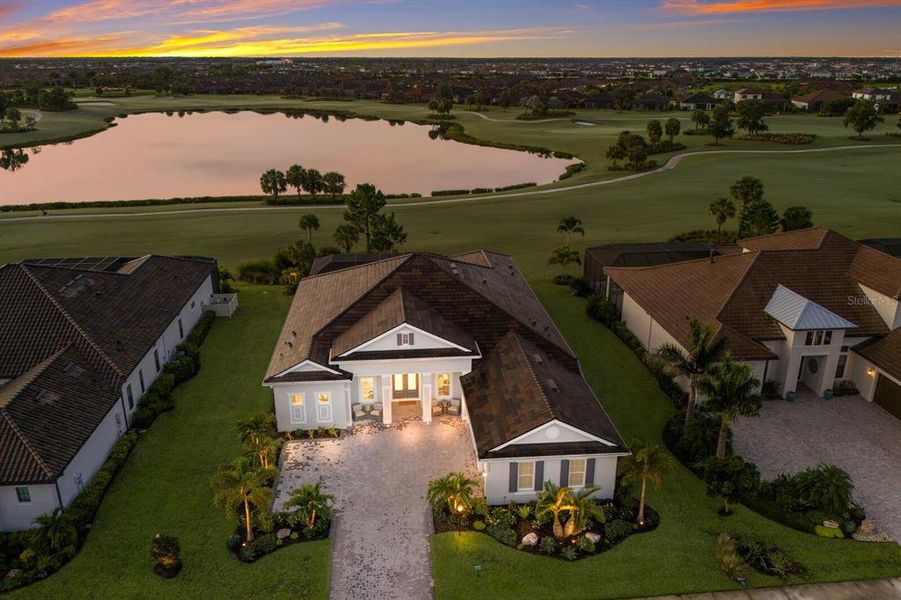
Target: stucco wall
[15,516]
[92,454]
[497,477]
[340,391]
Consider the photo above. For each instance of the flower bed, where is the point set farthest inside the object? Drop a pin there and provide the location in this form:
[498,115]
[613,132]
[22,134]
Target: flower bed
[280,530]
[520,526]
[320,433]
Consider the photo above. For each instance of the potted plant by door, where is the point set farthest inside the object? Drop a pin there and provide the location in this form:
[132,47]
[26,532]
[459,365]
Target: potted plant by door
[827,395]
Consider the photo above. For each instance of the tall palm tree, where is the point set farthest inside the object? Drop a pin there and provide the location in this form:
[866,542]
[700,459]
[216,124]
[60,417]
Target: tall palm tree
[554,499]
[582,508]
[295,176]
[731,390]
[721,210]
[564,256]
[746,190]
[312,181]
[646,463]
[334,183]
[258,426]
[454,490]
[705,349]
[310,502]
[243,485]
[309,223]
[273,182]
[569,226]
[54,531]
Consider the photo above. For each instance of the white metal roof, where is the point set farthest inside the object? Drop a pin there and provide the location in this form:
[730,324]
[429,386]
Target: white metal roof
[800,314]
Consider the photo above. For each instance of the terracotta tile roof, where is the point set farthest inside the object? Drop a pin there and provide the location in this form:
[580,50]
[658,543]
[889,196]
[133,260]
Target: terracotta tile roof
[484,302]
[401,306]
[884,352]
[732,291]
[519,387]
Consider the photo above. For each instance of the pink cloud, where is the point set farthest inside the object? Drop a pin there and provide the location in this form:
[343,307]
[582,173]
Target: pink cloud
[720,7]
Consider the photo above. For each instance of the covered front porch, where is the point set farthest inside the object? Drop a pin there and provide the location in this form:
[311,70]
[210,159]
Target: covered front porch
[423,395]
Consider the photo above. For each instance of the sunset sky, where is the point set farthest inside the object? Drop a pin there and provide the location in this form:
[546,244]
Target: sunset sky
[449,28]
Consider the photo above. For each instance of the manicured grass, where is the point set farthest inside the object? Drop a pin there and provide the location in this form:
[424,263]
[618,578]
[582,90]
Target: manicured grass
[675,558]
[164,486]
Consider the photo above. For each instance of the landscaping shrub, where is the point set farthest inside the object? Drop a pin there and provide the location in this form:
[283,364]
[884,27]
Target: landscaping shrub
[568,553]
[730,561]
[586,545]
[794,139]
[730,478]
[83,508]
[766,558]
[845,387]
[770,390]
[264,544]
[616,531]
[515,186]
[143,418]
[696,441]
[602,310]
[580,287]
[258,271]
[547,544]
[572,170]
[449,193]
[478,525]
[707,236]
[167,552]
[828,532]
[502,533]
[500,515]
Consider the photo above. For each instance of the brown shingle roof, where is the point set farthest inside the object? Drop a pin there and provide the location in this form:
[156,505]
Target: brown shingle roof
[519,387]
[884,352]
[731,291]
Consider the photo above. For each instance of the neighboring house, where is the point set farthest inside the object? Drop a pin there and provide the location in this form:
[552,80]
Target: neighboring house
[805,307]
[723,95]
[699,101]
[419,335]
[814,100]
[651,101]
[746,94]
[641,254]
[80,341]
[883,99]
[604,100]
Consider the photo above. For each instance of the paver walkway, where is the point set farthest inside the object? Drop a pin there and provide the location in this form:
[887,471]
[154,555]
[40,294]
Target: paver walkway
[849,432]
[880,589]
[382,523]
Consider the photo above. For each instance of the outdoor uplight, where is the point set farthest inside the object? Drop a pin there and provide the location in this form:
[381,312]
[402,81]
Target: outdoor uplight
[871,372]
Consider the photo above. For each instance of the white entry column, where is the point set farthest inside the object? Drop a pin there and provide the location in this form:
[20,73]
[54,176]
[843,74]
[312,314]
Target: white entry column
[425,397]
[386,399]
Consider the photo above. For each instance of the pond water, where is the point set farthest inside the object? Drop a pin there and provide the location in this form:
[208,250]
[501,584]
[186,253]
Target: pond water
[223,154]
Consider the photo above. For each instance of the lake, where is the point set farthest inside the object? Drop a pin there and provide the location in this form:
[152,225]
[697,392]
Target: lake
[223,154]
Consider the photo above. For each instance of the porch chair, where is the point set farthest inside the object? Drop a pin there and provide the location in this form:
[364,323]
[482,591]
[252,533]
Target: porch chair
[455,407]
[436,409]
[358,412]
[376,410]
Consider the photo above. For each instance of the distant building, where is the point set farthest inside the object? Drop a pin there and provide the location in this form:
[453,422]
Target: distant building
[885,100]
[816,99]
[699,101]
[746,94]
[651,101]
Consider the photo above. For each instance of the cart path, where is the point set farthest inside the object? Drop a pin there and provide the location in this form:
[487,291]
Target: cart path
[669,165]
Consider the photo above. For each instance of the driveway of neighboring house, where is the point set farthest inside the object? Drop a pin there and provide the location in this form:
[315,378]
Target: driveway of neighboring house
[849,432]
[379,476]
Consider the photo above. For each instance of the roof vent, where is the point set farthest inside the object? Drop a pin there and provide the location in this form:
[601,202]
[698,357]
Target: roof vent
[46,398]
[455,270]
[538,359]
[72,370]
[552,385]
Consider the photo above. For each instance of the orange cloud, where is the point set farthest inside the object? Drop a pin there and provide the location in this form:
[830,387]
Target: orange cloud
[720,7]
[61,47]
[103,10]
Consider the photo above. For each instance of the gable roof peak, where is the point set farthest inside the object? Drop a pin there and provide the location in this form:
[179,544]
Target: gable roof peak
[802,314]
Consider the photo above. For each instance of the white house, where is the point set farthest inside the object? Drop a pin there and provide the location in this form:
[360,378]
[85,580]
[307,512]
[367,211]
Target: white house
[745,94]
[80,342]
[805,308]
[422,336]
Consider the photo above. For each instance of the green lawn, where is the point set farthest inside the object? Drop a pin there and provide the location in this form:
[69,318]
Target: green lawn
[675,558]
[164,486]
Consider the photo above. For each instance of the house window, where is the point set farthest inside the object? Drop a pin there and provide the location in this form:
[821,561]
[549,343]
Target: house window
[156,359]
[827,338]
[181,329]
[141,379]
[297,411]
[840,369]
[131,396]
[24,495]
[577,472]
[444,385]
[367,389]
[404,339]
[809,340]
[525,476]
[324,406]
[818,338]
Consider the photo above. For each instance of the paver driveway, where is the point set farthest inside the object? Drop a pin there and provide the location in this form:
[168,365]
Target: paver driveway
[849,432]
[382,524]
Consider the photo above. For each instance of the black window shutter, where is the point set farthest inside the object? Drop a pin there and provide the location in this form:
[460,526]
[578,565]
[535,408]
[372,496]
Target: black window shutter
[564,472]
[411,339]
[514,477]
[589,471]
[539,475]
[399,339]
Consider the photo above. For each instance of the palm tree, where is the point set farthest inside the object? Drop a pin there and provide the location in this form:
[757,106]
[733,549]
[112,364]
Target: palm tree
[346,235]
[252,429]
[310,501]
[241,484]
[273,182]
[569,226]
[582,508]
[312,181]
[334,183]
[309,223]
[746,190]
[294,176]
[54,531]
[555,500]
[705,348]
[264,449]
[721,210]
[454,490]
[564,256]
[731,390]
[646,463]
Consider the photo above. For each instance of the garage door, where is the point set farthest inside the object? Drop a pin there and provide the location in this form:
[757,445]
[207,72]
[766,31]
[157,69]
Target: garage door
[888,395]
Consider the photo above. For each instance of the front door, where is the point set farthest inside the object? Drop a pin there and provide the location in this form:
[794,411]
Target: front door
[405,387]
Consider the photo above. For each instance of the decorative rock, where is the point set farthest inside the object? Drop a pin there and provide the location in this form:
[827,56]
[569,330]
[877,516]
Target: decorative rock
[592,537]
[831,524]
[530,539]
[283,533]
[13,573]
[869,531]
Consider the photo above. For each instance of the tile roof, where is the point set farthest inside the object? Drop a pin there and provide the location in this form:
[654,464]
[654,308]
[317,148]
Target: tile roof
[884,352]
[732,291]
[519,387]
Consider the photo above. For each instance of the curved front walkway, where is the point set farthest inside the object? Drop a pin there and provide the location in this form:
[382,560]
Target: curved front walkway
[849,432]
[379,476]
